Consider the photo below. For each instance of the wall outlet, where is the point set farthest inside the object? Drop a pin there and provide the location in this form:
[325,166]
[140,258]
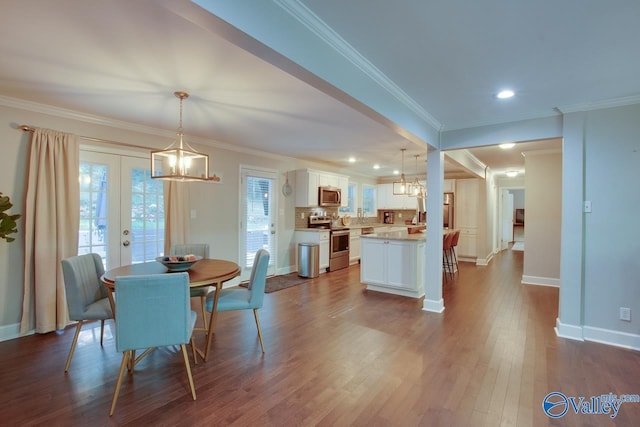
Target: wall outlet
[625,314]
[301,215]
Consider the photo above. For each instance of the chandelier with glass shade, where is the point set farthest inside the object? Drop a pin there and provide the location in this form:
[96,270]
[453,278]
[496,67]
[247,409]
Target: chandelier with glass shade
[179,161]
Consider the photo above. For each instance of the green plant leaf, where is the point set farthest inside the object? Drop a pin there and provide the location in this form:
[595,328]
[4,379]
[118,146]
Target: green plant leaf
[7,222]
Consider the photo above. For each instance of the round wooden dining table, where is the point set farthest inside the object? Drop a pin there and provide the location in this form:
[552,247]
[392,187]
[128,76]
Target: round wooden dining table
[206,272]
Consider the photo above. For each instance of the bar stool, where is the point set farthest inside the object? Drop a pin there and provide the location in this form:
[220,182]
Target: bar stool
[447,264]
[454,243]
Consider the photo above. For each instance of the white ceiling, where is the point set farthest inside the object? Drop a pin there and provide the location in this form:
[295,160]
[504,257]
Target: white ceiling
[123,60]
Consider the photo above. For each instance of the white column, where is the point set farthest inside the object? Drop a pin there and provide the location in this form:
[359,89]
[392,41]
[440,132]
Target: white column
[433,255]
[571,305]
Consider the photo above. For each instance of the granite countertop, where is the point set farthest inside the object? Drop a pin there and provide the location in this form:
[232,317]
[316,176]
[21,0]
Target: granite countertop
[354,226]
[396,235]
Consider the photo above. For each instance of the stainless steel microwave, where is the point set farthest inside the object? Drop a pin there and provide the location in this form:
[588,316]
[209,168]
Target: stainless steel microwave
[329,196]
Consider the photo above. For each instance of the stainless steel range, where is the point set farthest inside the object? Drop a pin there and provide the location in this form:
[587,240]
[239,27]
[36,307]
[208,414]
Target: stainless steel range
[338,241]
[339,248]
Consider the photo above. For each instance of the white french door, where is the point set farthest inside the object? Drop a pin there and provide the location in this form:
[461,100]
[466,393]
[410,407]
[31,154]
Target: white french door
[258,220]
[121,209]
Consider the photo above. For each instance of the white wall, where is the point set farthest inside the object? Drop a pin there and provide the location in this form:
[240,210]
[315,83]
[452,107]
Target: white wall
[612,229]
[542,233]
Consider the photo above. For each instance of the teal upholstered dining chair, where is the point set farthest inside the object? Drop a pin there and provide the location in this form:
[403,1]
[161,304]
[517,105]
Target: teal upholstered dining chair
[239,298]
[152,311]
[86,295]
[198,249]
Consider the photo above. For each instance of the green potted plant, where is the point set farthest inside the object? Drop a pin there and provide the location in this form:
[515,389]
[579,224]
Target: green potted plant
[7,222]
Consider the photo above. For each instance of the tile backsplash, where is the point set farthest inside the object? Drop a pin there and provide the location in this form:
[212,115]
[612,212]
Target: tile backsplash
[400,216]
[302,215]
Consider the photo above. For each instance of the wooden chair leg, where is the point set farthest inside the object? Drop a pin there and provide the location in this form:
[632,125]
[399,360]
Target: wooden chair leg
[186,364]
[255,315]
[73,346]
[126,355]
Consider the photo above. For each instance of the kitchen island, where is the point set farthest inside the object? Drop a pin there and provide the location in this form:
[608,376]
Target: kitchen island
[393,262]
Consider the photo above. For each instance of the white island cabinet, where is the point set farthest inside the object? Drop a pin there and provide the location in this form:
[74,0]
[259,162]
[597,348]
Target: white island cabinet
[393,262]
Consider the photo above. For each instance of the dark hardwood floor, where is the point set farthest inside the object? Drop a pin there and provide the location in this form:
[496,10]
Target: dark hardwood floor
[338,355]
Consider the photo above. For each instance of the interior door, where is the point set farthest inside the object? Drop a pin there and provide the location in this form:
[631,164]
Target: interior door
[507,218]
[258,222]
[121,209]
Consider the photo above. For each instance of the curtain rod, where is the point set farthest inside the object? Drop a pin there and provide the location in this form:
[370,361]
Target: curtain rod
[27,128]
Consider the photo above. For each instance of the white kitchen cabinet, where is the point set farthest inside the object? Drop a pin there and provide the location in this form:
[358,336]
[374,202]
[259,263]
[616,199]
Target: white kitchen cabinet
[354,245]
[393,266]
[321,237]
[308,181]
[467,243]
[390,201]
[449,186]
[323,262]
[306,189]
[466,211]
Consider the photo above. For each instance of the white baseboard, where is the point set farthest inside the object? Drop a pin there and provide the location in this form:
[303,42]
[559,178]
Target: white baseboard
[485,261]
[9,332]
[599,335]
[571,332]
[433,305]
[540,281]
[610,337]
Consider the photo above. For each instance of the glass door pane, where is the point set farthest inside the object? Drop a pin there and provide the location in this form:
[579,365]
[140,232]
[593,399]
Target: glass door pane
[258,229]
[99,206]
[121,209]
[142,213]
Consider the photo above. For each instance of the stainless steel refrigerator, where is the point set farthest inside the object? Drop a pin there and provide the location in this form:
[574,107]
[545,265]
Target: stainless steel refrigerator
[447,211]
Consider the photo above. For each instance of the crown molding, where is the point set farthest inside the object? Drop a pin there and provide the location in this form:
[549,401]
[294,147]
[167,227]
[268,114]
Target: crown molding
[79,116]
[500,121]
[64,113]
[599,105]
[318,27]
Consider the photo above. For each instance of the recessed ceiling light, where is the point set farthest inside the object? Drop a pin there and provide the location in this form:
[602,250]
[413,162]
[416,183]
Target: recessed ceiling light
[376,166]
[511,174]
[396,172]
[505,94]
[507,145]
[352,159]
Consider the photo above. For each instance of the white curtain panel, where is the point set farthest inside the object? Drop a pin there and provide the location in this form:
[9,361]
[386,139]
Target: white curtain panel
[51,222]
[177,226]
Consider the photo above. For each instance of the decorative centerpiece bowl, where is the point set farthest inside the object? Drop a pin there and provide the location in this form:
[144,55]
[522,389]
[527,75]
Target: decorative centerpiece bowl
[178,262]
